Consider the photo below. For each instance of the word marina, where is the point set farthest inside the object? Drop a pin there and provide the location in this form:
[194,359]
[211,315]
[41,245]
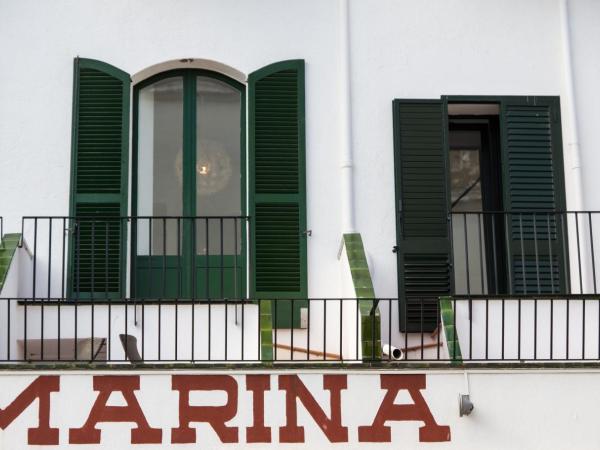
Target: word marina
[166,408]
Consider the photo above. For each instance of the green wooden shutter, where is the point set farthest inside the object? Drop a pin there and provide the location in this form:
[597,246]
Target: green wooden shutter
[423,243]
[277,187]
[534,182]
[100,143]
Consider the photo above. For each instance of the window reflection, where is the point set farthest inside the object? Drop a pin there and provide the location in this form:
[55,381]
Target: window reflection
[160,147]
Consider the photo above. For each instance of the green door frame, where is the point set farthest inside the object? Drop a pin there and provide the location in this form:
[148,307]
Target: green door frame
[186,260]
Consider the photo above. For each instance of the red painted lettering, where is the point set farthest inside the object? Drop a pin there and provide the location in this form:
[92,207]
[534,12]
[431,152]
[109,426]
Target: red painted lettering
[216,416]
[418,411]
[258,384]
[40,389]
[332,427]
[100,412]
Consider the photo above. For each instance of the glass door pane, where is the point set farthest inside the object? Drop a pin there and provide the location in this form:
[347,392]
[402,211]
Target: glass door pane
[159,186]
[190,164]
[468,223]
[218,188]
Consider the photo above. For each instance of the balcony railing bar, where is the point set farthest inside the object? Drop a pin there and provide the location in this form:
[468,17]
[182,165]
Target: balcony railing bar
[527,330]
[526,252]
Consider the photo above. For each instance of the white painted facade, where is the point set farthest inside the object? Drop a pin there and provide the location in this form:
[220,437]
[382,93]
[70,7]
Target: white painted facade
[359,56]
[507,412]
[396,49]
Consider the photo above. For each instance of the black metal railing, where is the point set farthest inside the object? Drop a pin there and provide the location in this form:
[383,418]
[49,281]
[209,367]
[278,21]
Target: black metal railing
[521,253]
[523,287]
[105,257]
[492,329]
[530,328]
[167,331]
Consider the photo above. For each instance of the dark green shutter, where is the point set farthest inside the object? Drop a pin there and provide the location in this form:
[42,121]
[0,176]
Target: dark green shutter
[100,143]
[533,182]
[277,187]
[423,244]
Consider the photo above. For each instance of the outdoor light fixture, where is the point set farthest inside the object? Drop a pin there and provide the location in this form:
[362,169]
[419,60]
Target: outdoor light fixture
[465,405]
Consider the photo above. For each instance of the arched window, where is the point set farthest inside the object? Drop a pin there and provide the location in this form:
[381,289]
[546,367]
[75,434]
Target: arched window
[189,185]
[186,226]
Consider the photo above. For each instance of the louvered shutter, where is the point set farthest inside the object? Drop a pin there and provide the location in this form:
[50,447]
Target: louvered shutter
[100,143]
[277,192]
[533,182]
[423,244]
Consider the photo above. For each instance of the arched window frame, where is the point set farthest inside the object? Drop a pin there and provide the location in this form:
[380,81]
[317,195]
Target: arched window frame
[189,77]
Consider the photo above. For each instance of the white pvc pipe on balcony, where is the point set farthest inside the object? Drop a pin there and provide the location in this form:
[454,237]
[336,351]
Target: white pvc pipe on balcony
[572,137]
[346,160]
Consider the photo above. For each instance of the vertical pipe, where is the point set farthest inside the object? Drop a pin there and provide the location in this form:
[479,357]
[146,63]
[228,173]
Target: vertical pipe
[572,137]
[346,159]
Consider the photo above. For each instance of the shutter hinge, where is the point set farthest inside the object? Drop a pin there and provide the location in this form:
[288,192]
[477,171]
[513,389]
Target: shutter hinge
[395,249]
[306,233]
[72,229]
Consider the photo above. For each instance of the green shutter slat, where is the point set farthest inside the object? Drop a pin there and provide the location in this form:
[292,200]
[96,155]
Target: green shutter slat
[278,205]
[539,276]
[533,181]
[99,180]
[97,243]
[99,132]
[276,132]
[424,270]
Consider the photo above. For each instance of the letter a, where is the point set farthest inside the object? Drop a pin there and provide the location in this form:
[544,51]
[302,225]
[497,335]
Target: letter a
[106,385]
[388,410]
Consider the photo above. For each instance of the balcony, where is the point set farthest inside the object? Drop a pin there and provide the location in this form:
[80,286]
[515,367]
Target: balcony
[516,287]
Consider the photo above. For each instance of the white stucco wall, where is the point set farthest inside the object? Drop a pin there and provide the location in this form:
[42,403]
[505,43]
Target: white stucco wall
[36,88]
[585,34]
[508,413]
[416,50]
[399,49]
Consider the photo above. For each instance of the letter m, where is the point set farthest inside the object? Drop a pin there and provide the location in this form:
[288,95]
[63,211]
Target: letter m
[40,389]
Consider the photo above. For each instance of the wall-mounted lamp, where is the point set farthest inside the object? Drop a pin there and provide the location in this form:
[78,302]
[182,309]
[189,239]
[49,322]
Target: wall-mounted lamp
[465,405]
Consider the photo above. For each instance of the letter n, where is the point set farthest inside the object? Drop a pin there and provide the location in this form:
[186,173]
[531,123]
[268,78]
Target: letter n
[388,410]
[100,412]
[40,388]
[332,427]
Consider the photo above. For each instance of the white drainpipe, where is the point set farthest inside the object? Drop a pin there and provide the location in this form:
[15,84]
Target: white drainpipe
[569,105]
[346,161]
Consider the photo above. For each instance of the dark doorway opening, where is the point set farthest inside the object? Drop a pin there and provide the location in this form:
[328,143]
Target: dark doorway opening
[476,204]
